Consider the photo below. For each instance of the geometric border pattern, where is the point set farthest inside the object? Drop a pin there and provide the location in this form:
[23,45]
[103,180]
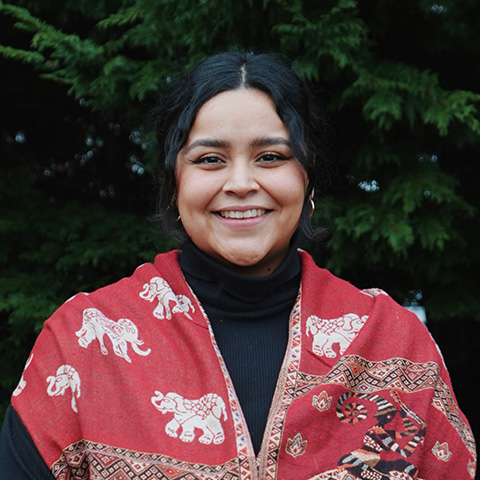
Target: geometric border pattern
[84,460]
[282,400]
[344,475]
[360,375]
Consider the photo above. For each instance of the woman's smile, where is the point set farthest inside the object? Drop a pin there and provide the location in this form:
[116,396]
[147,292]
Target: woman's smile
[242,219]
[240,189]
[242,214]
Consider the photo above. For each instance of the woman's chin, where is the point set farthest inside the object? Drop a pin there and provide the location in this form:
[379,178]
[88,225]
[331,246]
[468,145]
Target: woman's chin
[251,261]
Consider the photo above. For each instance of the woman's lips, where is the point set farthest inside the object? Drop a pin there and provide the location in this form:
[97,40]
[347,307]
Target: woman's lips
[242,218]
[242,214]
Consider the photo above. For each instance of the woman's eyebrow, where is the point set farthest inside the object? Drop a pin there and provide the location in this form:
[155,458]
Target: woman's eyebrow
[269,141]
[207,142]
[217,143]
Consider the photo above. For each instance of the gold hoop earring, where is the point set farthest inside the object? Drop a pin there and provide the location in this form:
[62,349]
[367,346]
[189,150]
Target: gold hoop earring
[312,203]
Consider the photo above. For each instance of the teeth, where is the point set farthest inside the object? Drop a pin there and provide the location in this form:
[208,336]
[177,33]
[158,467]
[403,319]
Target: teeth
[254,212]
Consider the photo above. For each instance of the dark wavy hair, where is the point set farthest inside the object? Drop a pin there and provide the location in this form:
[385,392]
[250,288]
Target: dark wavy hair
[295,104]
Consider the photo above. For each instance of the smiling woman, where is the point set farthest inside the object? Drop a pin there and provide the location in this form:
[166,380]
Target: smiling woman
[302,134]
[266,366]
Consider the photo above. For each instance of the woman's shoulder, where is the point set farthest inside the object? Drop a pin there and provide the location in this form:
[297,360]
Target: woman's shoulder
[124,298]
[331,293]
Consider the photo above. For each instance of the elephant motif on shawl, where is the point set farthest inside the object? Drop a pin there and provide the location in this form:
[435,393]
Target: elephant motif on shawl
[204,414]
[66,377]
[168,303]
[96,325]
[397,433]
[22,383]
[327,333]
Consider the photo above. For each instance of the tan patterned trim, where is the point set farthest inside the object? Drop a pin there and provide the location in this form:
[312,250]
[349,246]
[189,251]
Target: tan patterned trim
[444,402]
[283,399]
[84,460]
[360,375]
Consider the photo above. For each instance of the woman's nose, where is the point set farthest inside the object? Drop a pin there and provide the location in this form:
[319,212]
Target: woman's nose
[241,179]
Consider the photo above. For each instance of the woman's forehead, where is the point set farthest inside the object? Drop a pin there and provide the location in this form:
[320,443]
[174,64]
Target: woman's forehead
[244,113]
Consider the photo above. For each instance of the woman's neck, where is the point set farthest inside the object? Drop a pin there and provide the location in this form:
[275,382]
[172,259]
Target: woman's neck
[233,283]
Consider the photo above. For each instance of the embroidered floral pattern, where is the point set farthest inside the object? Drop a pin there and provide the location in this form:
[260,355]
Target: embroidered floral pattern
[296,446]
[358,375]
[322,402]
[368,460]
[441,451]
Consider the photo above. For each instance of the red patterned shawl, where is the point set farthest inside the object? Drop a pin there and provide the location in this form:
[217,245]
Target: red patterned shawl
[127,383]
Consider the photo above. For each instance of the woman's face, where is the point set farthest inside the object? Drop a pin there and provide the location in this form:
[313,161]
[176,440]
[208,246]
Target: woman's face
[240,190]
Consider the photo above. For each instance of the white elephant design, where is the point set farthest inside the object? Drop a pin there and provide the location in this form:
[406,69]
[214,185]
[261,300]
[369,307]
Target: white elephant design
[95,325]
[205,414]
[186,304]
[66,377]
[340,331]
[159,289]
[22,383]
[374,292]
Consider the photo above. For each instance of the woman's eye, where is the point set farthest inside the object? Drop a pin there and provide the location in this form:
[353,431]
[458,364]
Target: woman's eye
[207,160]
[274,157]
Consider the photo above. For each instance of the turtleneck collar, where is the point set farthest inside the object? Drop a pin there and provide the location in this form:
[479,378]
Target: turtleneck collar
[218,285]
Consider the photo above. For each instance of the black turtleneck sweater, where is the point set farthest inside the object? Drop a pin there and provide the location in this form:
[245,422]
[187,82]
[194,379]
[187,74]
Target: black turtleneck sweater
[249,317]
